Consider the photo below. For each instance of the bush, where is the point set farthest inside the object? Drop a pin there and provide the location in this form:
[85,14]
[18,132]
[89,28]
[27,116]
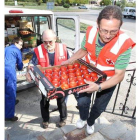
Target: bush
[39,2]
[129,4]
[10,3]
[66,5]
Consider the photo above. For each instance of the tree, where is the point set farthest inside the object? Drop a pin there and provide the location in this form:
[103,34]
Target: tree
[105,2]
[123,4]
[66,5]
[39,2]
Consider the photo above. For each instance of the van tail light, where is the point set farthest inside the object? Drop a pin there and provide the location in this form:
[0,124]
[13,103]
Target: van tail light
[15,11]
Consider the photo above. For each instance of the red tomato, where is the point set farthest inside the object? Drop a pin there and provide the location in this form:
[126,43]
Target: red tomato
[92,74]
[64,81]
[71,75]
[85,72]
[56,78]
[80,78]
[43,72]
[55,83]
[76,65]
[78,73]
[78,69]
[83,67]
[71,70]
[56,69]
[63,68]
[64,86]
[55,74]
[70,66]
[95,78]
[73,79]
[72,84]
[87,76]
[64,72]
[48,75]
[81,82]
[48,71]
[64,76]
[89,79]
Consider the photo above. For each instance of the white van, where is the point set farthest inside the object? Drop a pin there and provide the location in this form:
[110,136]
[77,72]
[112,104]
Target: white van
[36,21]
[128,11]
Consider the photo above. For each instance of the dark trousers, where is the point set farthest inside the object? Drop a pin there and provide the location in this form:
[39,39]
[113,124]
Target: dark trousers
[101,101]
[44,105]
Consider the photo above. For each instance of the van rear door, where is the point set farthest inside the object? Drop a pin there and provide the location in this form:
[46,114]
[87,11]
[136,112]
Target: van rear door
[68,30]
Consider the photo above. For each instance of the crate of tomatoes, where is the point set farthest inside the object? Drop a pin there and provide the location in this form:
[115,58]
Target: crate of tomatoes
[62,80]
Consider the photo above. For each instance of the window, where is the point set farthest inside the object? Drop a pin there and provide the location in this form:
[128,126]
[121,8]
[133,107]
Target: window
[66,31]
[41,24]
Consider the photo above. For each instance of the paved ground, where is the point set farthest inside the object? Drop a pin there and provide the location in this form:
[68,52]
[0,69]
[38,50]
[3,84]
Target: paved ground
[30,121]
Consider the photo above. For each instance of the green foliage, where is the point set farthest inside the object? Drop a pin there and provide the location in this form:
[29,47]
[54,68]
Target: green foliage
[118,3]
[10,3]
[25,0]
[66,5]
[105,2]
[123,4]
[130,4]
[39,2]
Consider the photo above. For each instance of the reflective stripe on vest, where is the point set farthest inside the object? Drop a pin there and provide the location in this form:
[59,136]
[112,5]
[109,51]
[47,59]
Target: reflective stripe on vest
[121,39]
[92,34]
[104,68]
[40,51]
[61,52]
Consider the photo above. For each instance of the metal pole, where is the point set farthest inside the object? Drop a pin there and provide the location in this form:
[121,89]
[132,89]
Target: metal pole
[15,2]
[112,2]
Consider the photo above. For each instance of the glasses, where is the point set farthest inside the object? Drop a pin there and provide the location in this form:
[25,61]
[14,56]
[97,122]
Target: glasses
[47,42]
[113,32]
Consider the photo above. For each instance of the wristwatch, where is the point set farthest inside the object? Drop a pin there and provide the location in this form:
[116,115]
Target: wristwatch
[99,89]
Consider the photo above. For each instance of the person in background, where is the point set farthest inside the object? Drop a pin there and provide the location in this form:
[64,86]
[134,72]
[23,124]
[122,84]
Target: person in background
[48,54]
[109,49]
[13,60]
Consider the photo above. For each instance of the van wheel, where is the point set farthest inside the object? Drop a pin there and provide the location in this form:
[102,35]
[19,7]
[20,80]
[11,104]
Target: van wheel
[124,16]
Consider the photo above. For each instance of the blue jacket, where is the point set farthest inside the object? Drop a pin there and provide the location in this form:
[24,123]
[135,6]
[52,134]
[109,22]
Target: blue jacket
[13,60]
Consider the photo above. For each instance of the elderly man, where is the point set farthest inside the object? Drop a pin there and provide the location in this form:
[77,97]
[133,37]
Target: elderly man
[108,48]
[13,59]
[47,54]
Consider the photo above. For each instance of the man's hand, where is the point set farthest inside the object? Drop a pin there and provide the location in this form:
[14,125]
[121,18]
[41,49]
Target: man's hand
[28,77]
[92,87]
[65,62]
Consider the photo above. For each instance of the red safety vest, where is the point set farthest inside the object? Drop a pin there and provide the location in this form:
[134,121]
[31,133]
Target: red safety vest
[42,54]
[110,52]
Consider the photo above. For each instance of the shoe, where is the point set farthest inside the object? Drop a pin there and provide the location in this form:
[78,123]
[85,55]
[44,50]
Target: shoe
[80,124]
[12,119]
[90,129]
[61,123]
[45,125]
[17,101]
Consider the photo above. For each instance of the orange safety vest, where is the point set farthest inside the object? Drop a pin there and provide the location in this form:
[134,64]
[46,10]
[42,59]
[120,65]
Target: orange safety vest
[42,54]
[110,52]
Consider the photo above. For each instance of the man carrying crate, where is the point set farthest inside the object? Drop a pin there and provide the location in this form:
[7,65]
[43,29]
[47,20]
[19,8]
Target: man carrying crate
[48,54]
[109,49]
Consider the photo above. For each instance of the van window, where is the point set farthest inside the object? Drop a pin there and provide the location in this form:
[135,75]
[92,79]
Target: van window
[41,23]
[66,31]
